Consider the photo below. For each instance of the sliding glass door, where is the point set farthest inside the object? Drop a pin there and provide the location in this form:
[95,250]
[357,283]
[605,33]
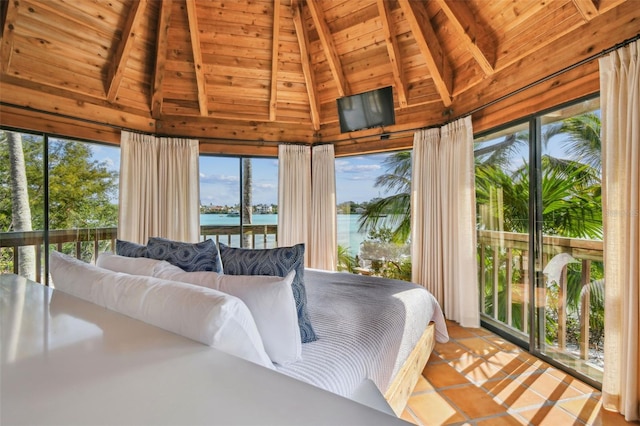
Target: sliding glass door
[539,220]
[570,274]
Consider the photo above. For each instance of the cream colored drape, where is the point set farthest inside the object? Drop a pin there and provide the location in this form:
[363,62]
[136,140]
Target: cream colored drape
[443,230]
[294,196]
[620,108]
[324,247]
[159,188]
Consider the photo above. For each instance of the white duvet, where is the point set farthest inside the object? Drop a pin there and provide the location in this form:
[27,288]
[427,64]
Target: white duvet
[366,328]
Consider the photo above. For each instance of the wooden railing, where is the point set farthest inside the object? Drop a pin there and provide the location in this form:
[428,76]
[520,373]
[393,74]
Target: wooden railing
[87,243]
[504,262]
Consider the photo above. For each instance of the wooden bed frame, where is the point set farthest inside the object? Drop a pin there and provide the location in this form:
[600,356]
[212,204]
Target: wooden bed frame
[402,386]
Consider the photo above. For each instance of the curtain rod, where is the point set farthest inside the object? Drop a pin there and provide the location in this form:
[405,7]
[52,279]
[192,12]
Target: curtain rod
[473,111]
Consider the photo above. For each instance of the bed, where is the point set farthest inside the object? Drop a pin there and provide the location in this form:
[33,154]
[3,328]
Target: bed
[368,328]
[361,329]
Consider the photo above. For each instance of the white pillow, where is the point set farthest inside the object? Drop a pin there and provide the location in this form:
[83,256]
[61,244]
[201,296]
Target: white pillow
[202,314]
[269,298]
[128,265]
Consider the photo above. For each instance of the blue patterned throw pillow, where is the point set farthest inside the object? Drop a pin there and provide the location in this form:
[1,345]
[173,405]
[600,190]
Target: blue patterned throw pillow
[190,257]
[129,249]
[275,262]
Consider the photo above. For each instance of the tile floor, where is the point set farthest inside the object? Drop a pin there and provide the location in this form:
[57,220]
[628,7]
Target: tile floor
[478,378]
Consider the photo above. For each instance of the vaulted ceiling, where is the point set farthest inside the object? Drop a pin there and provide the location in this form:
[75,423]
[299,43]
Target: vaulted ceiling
[258,72]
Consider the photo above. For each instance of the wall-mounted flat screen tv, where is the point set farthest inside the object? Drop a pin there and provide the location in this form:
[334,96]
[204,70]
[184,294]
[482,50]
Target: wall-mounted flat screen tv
[366,110]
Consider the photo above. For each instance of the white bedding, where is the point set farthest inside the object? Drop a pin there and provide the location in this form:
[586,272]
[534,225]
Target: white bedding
[366,328]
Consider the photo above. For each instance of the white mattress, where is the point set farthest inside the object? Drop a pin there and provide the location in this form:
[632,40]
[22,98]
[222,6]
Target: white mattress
[366,328]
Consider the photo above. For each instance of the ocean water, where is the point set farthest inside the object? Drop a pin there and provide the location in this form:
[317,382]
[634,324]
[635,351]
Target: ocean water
[347,224]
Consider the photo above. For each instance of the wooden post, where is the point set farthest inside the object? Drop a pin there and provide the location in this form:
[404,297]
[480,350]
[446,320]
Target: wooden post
[562,310]
[585,309]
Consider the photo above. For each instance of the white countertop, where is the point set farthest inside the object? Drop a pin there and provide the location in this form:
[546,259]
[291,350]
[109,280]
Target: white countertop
[67,361]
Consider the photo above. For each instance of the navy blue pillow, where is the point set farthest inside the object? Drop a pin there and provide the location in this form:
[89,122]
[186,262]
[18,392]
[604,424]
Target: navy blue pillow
[191,257]
[129,249]
[274,262]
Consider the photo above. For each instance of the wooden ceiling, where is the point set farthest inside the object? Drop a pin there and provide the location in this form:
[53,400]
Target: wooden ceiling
[243,76]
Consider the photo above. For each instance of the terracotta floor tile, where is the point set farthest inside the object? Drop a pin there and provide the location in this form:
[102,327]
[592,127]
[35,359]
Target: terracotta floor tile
[481,332]
[549,415]
[514,394]
[433,409]
[585,408]
[450,350]
[434,358]
[478,370]
[480,346]
[505,420]
[549,387]
[608,418]
[511,364]
[423,385]
[474,401]
[481,379]
[503,343]
[443,375]
[457,332]
[581,386]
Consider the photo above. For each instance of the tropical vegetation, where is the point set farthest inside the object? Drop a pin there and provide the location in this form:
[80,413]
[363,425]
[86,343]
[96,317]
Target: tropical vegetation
[81,191]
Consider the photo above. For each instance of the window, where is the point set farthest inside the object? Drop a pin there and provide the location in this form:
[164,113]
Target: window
[239,200]
[55,190]
[373,197]
[539,221]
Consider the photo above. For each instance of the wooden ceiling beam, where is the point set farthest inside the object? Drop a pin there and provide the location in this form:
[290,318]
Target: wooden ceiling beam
[119,61]
[273,101]
[473,35]
[161,58]
[394,53]
[429,46]
[587,8]
[329,47]
[9,15]
[307,71]
[197,57]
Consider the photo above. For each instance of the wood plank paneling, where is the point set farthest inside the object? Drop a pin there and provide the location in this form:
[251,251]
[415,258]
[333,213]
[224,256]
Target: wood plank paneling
[253,81]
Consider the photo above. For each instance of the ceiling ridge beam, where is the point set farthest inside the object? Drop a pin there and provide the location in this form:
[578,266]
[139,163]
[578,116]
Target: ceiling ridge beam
[192,17]
[587,8]
[275,49]
[433,54]
[473,36]
[162,43]
[329,47]
[119,61]
[394,53]
[307,71]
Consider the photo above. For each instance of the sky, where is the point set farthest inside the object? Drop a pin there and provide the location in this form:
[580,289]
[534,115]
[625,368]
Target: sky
[220,177]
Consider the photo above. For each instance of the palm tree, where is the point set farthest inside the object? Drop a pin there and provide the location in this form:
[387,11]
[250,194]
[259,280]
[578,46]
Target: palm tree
[584,143]
[247,204]
[393,211]
[20,209]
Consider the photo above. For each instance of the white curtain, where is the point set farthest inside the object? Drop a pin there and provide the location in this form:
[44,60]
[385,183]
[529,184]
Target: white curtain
[620,109]
[324,246]
[294,196]
[443,231]
[159,188]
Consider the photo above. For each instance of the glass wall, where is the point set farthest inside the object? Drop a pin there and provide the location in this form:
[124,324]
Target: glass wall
[373,214]
[239,200]
[55,193]
[539,221]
